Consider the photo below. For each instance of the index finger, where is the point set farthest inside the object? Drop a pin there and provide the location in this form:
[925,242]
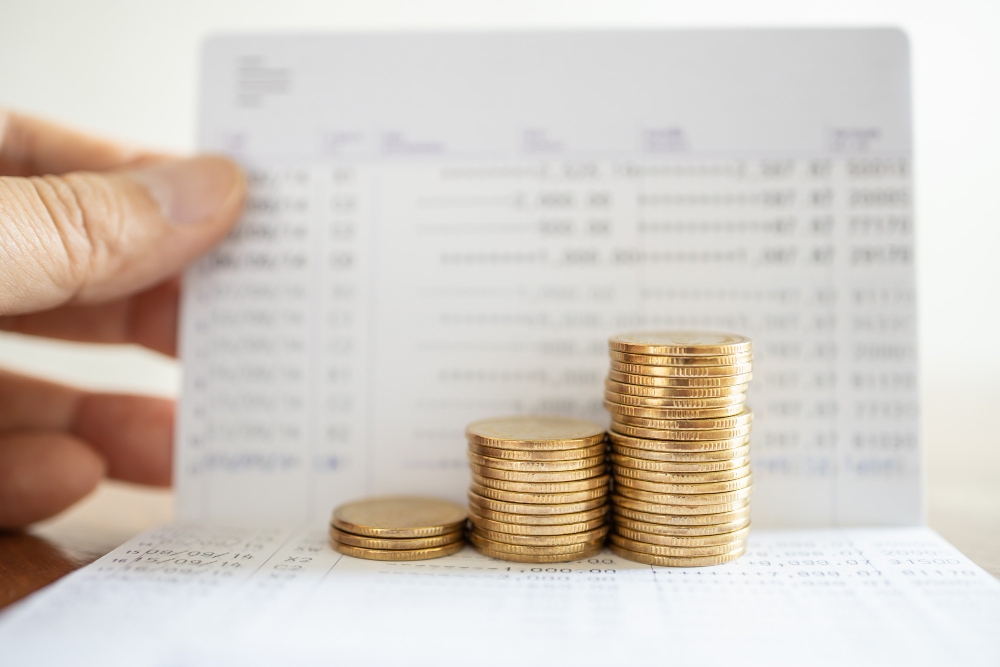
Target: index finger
[33,147]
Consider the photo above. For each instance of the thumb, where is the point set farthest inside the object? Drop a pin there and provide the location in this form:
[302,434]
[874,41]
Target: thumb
[89,237]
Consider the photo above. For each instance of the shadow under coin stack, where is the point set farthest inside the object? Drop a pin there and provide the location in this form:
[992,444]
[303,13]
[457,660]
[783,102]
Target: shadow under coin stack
[539,490]
[398,528]
[680,441]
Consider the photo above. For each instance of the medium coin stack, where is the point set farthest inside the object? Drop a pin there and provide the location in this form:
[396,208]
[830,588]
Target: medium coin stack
[680,441]
[539,490]
[398,528]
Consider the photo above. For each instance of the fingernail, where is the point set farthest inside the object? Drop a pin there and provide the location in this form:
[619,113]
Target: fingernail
[193,190]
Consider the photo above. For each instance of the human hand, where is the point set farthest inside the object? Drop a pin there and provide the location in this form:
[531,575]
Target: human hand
[92,237]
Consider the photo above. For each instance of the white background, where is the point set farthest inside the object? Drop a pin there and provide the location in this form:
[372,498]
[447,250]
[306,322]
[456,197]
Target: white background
[128,70]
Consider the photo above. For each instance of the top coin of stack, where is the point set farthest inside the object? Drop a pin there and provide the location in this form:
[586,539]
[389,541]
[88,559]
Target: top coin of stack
[539,490]
[398,528]
[680,434]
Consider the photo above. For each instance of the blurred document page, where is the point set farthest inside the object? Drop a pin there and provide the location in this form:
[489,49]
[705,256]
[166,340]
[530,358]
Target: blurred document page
[445,227]
[209,596]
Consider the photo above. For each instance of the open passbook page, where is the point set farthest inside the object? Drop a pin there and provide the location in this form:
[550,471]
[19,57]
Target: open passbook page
[188,595]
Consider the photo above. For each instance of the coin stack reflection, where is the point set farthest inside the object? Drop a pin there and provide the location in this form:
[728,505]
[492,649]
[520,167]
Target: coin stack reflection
[680,440]
[398,528]
[539,490]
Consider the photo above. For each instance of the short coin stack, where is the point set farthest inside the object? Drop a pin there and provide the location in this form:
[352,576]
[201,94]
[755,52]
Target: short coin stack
[539,490]
[680,434]
[398,528]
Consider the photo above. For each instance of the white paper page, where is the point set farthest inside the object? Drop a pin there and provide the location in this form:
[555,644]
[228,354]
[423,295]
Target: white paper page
[197,596]
[444,227]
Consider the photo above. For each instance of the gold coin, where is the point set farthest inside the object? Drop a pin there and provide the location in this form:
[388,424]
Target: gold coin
[719,539]
[681,343]
[536,508]
[399,516]
[620,502]
[528,432]
[694,404]
[537,466]
[680,531]
[682,477]
[527,558]
[683,552]
[398,554]
[618,422]
[663,432]
[543,487]
[683,498]
[539,455]
[674,392]
[682,371]
[720,436]
[670,413]
[698,489]
[394,542]
[656,444]
[692,521]
[536,477]
[689,383]
[586,537]
[623,463]
[668,561]
[557,522]
[539,498]
[555,550]
[521,529]
[664,360]
[738,421]
[683,457]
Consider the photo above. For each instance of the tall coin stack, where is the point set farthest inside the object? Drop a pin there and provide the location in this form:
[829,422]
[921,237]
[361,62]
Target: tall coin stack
[539,490]
[680,441]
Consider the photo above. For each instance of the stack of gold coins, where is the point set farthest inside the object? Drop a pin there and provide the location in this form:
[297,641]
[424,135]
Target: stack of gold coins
[398,528]
[539,490]
[680,441]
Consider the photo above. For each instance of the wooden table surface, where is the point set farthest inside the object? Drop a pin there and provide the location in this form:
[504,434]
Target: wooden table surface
[32,559]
